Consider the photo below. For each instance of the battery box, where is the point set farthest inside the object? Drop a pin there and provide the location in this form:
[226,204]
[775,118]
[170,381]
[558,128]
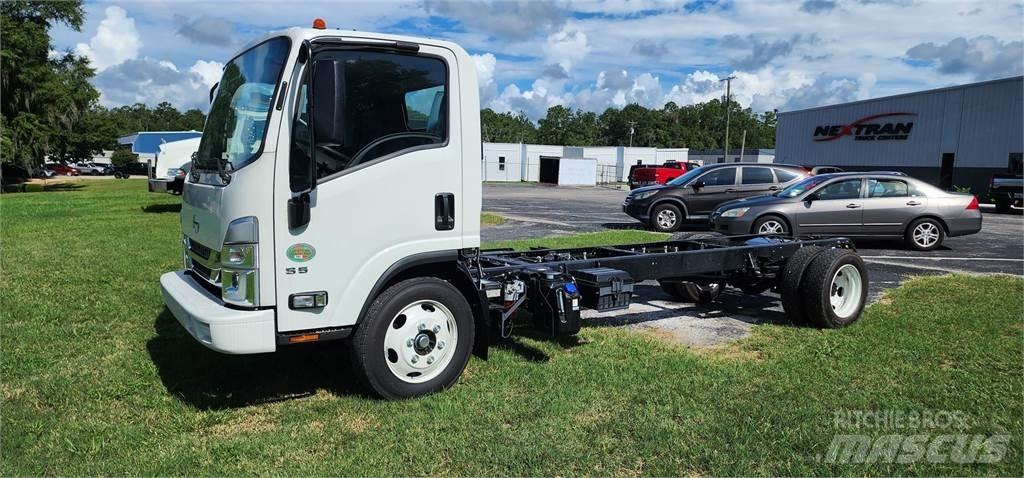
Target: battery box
[604,288]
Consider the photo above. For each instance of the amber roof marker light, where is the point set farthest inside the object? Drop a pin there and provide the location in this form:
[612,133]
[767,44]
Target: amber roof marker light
[319,24]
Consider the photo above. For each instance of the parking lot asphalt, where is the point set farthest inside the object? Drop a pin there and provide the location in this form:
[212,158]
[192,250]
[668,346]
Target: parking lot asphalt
[536,210]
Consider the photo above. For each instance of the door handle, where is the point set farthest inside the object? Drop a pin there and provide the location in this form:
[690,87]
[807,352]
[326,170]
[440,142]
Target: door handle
[773,188]
[852,206]
[913,203]
[444,211]
[730,190]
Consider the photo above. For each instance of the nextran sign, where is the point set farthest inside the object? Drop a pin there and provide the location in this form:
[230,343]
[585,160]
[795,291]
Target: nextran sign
[869,128]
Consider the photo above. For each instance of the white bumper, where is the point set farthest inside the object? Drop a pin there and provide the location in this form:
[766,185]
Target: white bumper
[220,328]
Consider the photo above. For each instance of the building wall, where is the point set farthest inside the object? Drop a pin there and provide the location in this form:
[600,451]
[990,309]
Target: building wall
[533,154]
[502,162]
[577,172]
[981,124]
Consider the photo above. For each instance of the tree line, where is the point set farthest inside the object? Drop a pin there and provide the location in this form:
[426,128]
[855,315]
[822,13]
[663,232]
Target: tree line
[697,126]
[48,108]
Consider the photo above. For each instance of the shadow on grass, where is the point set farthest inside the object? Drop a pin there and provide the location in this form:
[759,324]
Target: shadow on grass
[209,380]
[731,304]
[162,208]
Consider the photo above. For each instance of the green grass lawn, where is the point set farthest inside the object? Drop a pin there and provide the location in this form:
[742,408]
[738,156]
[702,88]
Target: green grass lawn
[96,377]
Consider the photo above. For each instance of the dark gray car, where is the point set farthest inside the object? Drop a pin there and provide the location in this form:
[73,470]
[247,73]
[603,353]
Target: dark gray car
[875,205]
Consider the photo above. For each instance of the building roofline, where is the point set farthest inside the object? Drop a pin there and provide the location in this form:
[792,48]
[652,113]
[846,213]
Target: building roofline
[902,95]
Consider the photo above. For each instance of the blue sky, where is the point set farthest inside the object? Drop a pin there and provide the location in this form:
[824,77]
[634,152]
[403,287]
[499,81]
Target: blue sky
[531,55]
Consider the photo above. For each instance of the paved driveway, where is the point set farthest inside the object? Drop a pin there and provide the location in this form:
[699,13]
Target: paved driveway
[540,210]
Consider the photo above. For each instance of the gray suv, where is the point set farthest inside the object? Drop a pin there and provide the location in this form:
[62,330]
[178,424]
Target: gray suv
[874,204]
[695,194]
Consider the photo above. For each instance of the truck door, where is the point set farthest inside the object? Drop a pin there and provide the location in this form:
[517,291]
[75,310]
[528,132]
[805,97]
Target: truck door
[386,175]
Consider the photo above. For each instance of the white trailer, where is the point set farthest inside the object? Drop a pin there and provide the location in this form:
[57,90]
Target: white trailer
[336,195]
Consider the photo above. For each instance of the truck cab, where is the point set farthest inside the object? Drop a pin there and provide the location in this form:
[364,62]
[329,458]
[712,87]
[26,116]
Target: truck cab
[332,164]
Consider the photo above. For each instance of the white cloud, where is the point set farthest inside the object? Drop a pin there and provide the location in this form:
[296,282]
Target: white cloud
[208,71]
[150,81]
[115,41]
[485,65]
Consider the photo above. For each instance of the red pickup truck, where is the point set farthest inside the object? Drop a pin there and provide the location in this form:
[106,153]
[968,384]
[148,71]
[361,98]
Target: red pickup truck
[641,175]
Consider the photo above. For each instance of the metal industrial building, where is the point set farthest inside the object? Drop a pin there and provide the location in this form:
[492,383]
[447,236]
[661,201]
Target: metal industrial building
[951,137]
[569,165]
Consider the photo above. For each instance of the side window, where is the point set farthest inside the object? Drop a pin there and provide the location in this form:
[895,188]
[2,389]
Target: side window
[501,163]
[887,188]
[298,166]
[720,177]
[785,175]
[756,175]
[845,189]
[370,104]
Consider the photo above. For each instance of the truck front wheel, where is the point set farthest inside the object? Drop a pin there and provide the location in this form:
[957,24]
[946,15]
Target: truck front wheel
[415,339]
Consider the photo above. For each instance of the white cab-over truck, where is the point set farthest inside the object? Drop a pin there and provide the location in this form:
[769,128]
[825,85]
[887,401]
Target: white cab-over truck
[336,195]
[169,165]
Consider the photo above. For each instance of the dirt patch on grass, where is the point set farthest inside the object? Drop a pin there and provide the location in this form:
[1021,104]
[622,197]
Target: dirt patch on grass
[250,422]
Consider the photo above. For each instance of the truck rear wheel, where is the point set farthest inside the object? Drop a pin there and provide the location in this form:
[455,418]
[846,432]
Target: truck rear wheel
[415,339]
[690,291]
[789,283]
[834,288]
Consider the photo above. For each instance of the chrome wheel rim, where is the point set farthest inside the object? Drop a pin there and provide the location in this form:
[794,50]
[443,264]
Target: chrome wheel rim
[771,226]
[666,218]
[420,341]
[845,292]
[926,234]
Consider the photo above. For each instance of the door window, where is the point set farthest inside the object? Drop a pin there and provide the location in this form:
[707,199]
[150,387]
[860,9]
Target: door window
[845,189]
[754,175]
[887,188]
[375,104]
[720,177]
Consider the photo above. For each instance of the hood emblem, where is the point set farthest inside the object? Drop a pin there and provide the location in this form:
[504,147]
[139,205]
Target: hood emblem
[195,225]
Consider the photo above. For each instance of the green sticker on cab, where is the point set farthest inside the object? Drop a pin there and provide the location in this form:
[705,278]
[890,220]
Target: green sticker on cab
[300,252]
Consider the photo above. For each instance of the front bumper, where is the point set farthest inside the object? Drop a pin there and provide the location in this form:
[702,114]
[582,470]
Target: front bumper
[224,329]
[637,210]
[159,185]
[733,226]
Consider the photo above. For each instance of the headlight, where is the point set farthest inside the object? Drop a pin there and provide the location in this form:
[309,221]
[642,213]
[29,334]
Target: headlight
[239,256]
[644,195]
[735,212]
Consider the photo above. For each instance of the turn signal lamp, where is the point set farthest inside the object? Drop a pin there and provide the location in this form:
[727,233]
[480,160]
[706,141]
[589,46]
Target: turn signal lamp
[319,24]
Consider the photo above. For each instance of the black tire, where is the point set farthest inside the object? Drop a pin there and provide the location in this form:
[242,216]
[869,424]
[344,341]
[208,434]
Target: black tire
[367,344]
[817,288]
[665,224]
[691,292]
[1003,207]
[789,282]
[915,238]
[767,221]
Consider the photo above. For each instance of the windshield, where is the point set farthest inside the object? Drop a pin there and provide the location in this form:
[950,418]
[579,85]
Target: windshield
[801,187]
[688,176]
[235,127]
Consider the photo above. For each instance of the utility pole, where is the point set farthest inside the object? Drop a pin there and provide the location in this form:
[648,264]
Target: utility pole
[728,97]
[743,144]
[632,125]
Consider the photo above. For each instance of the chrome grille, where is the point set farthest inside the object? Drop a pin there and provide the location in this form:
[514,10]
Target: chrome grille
[203,261]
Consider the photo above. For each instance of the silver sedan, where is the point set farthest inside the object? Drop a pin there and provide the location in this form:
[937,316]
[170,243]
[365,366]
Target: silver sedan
[873,204]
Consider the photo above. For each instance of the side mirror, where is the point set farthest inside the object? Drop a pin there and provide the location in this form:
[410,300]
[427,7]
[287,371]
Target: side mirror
[298,211]
[213,91]
[327,102]
[812,197]
[697,185]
